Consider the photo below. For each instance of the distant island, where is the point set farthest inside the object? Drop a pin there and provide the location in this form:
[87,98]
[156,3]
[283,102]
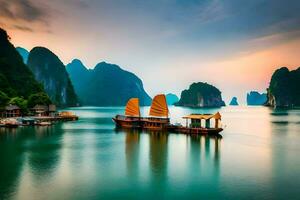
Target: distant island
[171,98]
[234,102]
[284,88]
[255,98]
[201,95]
[106,84]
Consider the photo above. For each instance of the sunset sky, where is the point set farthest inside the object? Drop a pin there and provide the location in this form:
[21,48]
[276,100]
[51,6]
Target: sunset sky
[233,44]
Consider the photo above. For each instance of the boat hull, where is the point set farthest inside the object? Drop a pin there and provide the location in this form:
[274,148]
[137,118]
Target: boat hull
[160,124]
[141,123]
[133,124]
[201,131]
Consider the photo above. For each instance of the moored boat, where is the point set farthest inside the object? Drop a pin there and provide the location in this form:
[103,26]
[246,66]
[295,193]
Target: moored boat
[159,120]
[43,123]
[9,123]
[132,117]
[158,116]
[195,125]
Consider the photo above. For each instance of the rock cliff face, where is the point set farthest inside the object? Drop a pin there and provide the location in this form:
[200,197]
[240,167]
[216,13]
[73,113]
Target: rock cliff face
[106,84]
[234,102]
[16,79]
[284,89]
[255,98]
[201,95]
[171,98]
[79,76]
[24,54]
[51,73]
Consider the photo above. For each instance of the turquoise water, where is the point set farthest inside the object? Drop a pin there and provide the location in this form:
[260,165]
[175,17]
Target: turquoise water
[257,157]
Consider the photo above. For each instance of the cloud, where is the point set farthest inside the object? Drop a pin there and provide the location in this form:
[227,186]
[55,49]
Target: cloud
[212,11]
[22,28]
[22,10]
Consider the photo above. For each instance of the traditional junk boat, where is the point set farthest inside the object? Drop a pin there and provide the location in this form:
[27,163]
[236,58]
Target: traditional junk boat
[132,117]
[159,114]
[159,120]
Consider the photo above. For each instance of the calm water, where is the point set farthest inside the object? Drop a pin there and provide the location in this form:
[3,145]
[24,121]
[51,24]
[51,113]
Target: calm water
[257,157]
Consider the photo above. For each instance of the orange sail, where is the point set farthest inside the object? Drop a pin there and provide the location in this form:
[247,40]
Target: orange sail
[159,107]
[132,107]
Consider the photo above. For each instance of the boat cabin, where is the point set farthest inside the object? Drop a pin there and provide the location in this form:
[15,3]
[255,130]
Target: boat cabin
[158,115]
[203,120]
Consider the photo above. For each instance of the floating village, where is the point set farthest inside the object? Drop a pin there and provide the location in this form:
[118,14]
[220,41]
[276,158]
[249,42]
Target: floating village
[158,119]
[39,115]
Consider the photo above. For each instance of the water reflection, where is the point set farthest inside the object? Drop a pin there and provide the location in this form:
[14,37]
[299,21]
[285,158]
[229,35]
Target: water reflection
[132,153]
[35,147]
[44,152]
[285,148]
[258,156]
[211,150]
[191,160]
[12,160]
[158,158]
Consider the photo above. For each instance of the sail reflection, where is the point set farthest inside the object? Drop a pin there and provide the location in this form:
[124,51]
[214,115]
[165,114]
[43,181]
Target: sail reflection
[191,158]
[132,150]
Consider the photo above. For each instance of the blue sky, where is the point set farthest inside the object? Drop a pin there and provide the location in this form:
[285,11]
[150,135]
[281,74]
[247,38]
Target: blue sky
[233,44]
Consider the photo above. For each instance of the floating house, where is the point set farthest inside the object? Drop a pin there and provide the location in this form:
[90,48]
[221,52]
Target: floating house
[44,110]
[202,120]
[11,111]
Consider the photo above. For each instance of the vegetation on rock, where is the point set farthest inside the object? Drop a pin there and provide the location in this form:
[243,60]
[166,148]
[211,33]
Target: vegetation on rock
[51,73]
[284,89]
[106,85]
[201,95]
[17,82]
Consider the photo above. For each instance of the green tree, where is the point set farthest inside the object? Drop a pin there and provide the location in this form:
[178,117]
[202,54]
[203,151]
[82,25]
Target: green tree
[3,99]
[38,99]
[20,102]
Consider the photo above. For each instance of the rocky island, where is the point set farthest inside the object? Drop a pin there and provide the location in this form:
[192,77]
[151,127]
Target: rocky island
[284,89]
[255,98]
[201,95]
[171,98]
[51,73]
[234,102]
[17,82]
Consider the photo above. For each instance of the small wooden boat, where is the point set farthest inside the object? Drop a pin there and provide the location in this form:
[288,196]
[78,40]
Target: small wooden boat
[67,116]
[10,123]
[44,123]
[197,127]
